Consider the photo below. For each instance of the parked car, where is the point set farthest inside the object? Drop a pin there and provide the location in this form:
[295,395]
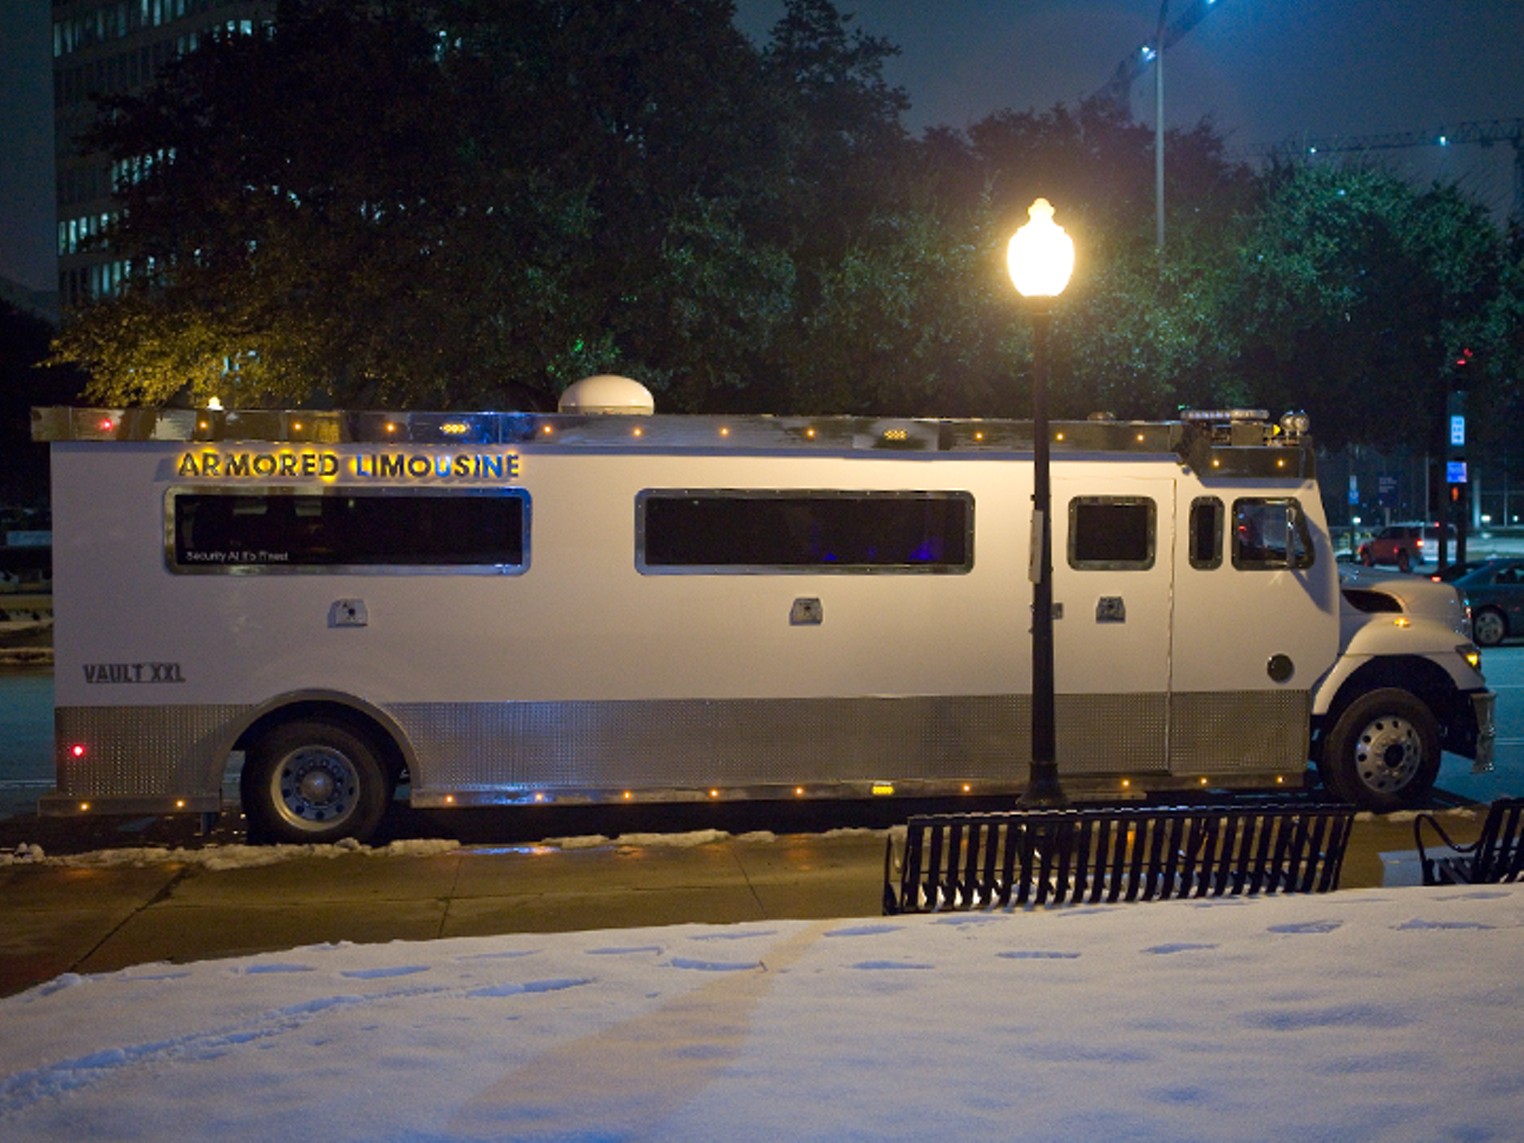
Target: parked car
[1404,545]
[1455,569]
[1495,592]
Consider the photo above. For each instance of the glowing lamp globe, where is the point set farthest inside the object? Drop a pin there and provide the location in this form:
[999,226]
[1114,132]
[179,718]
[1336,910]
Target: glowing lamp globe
[1041,256]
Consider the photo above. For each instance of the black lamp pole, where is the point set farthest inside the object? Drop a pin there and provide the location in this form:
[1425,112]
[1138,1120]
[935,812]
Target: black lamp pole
[1040,259]
[1043,789]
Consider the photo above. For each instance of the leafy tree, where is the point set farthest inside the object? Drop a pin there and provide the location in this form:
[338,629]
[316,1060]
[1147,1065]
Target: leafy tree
[1355,292]
[1136,334]
[480,203]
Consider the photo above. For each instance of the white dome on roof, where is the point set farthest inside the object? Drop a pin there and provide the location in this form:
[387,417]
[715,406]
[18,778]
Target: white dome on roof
[607,393]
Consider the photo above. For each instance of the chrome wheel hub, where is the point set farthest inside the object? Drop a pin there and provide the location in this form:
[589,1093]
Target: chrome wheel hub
[1388,754]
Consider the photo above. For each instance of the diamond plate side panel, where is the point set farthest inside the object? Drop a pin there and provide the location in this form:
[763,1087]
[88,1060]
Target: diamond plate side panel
[1111,734]
[1224,732]
[143,750]
[746,742]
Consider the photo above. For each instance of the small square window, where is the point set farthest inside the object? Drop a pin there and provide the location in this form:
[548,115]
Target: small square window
[1111,532]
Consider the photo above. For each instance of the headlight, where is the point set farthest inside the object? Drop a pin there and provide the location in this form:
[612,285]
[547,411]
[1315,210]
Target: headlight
[1472,654]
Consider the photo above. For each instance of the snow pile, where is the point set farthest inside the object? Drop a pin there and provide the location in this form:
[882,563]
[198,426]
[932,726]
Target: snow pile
[1388,1014]
[223,857]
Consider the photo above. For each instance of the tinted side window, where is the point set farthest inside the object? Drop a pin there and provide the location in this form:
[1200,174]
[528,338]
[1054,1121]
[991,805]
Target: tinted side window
[1111,532]
[346,530]
[764,531]
[1206,532]
[1270,533]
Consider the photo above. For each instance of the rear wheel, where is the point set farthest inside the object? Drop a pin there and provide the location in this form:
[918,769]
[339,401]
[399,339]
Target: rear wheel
[314,780]
[1404,561]
[1383,751]
[1489,627]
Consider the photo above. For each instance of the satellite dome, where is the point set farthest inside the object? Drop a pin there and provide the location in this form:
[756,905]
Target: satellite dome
[607,393]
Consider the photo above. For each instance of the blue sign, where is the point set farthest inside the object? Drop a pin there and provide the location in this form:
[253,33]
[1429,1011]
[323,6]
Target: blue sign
[1455,472]
[1458,431]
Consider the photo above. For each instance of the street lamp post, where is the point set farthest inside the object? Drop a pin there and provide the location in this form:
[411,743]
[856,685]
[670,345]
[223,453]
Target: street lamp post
[1040,259]
[1159,129]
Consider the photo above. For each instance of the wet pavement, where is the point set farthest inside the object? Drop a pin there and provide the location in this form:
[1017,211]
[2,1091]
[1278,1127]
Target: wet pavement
[99,913]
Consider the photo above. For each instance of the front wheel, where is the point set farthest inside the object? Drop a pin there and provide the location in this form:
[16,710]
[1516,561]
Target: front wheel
[1383,751]
[1488,627]
[313,781]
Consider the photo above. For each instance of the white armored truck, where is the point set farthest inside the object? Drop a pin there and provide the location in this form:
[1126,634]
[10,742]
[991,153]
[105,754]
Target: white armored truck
[515,608]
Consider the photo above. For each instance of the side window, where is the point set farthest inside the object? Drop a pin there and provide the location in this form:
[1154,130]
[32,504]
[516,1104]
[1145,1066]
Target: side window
[1206,532]
[347,530]
[1270,533]
[1111,532]
[739,531]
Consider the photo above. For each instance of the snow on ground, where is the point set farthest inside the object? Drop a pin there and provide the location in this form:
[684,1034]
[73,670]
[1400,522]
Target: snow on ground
[1383,1014]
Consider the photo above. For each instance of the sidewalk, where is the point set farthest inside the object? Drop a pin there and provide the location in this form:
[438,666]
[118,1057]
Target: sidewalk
[95,918]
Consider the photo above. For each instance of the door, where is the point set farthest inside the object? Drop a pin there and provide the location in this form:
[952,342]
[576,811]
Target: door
[1113,592]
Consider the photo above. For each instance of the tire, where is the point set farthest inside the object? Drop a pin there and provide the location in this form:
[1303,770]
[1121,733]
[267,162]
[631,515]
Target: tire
[1367,558]
[1404,561]
[313,781]
[1489,627]
[1383,751]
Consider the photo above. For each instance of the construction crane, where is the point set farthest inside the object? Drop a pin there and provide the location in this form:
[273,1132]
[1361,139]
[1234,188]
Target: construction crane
[1486,133]
[1118,89]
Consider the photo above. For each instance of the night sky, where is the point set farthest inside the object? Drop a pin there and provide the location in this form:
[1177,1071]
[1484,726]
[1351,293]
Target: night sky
[1263,70]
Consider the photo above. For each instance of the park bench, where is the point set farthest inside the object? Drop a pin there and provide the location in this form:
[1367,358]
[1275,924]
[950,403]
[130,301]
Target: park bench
[1496,855]
[1107,854]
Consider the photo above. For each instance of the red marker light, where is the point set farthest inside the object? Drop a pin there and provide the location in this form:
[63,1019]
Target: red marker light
[107,424]
[77,750]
